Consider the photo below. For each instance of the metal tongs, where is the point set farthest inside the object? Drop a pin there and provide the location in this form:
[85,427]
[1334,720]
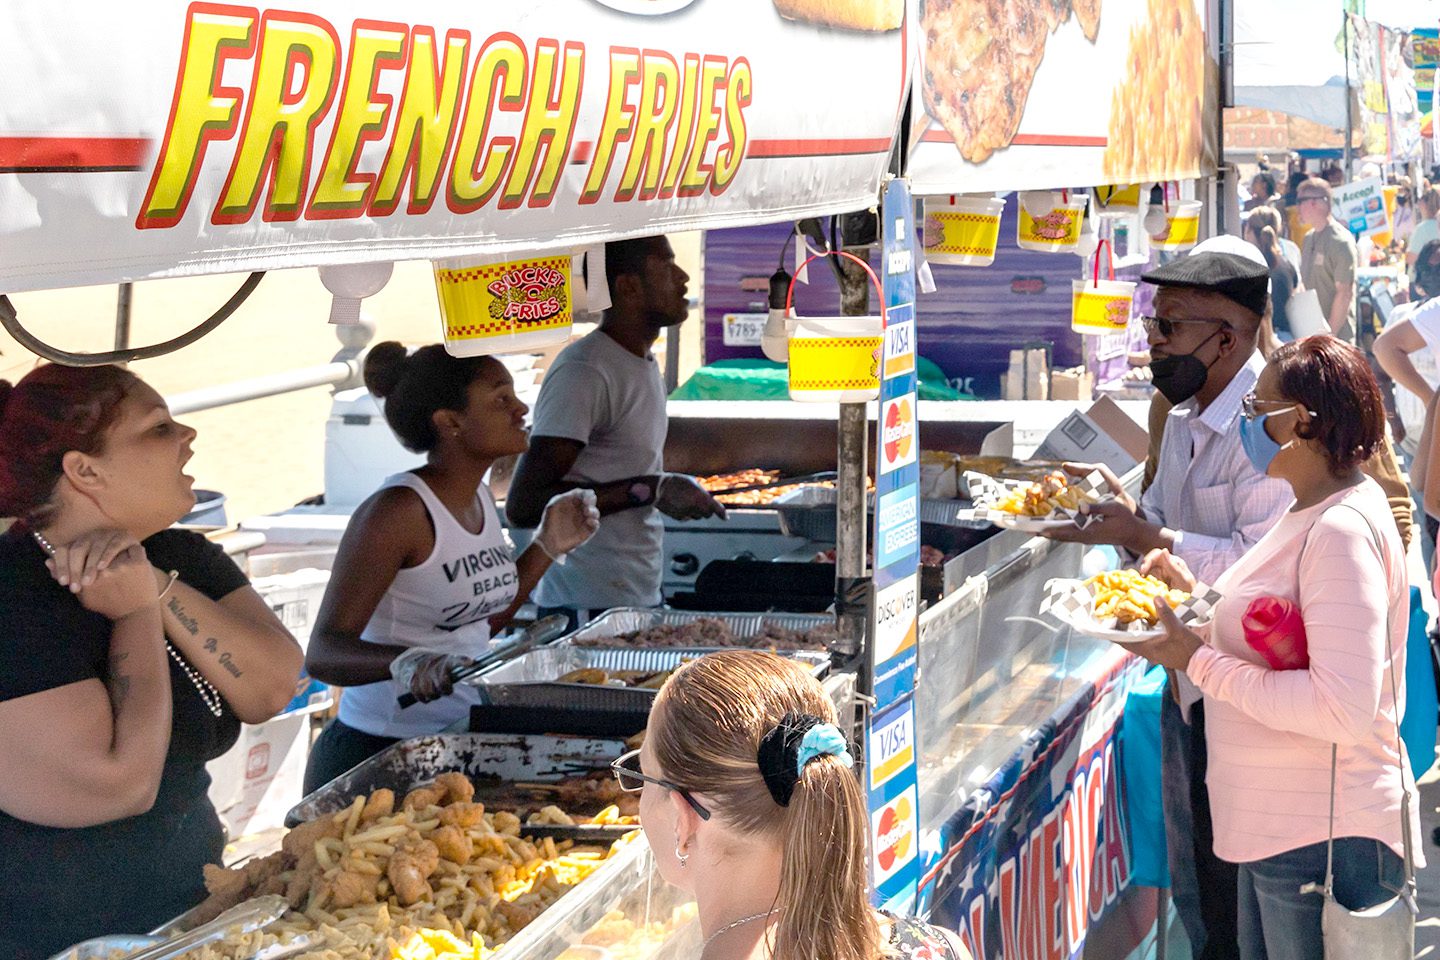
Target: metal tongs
[252,915]
[537,634]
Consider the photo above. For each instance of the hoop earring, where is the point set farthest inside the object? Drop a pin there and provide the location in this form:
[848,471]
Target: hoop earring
[682,858]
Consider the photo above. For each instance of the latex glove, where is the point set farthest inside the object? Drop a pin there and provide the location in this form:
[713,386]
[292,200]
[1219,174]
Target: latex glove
[682,498]
[569,520]
[426,672]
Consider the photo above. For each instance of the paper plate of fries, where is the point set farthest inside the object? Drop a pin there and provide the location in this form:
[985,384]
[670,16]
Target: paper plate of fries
[1121,605]
[1033,505]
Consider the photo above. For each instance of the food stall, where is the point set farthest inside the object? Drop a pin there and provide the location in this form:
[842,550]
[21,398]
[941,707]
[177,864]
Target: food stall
[312,138]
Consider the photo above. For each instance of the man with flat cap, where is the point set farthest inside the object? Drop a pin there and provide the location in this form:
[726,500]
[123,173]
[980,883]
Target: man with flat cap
[1207,506]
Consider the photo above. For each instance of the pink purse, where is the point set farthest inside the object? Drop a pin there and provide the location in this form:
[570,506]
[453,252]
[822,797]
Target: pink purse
[1275,629]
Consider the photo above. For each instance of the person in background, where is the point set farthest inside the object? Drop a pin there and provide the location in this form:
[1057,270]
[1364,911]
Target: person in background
[1427,229]
[1414,333]
[130,654]
[1262,229]
[1405,217]
[1262,190]
[1315,415]
[1328,258]
[1295,228]
[1209,505]
[425,576]
[600,424]
[749,802]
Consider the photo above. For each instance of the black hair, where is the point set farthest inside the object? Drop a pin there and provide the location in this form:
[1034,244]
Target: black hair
[1267,178]
[627,257]
[1333,380]
[415,385]
[1427,269]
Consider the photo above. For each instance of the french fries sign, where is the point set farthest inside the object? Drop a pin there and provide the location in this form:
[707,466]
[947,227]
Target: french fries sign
[208,137]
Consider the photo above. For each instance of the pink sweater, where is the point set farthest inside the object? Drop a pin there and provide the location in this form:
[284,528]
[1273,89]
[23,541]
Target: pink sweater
[1269,732]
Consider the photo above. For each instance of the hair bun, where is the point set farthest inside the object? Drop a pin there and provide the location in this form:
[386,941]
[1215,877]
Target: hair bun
[384,366]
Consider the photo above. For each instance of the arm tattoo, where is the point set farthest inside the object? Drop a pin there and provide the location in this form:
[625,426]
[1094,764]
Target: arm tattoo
[188,622]
[226,660]
[118,683]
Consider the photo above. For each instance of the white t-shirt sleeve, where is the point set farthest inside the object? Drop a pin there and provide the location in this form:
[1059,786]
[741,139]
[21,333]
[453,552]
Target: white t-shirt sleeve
[573,403]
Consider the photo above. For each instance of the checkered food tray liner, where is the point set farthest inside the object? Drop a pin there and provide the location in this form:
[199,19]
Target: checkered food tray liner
[986,492]
[1072,602]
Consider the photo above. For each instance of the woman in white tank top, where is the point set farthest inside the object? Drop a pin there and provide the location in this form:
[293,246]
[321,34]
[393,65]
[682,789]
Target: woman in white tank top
[425,563]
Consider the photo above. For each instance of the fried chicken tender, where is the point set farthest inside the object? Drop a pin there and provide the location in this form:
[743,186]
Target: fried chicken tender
[423,797]
[350,889]
[506,823]
[457,787]
[304,837]
[380,804]
[462,815]
[454,844]
[414,860]
[517,915]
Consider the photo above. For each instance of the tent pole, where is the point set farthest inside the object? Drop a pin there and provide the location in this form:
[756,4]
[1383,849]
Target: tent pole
[1349,108]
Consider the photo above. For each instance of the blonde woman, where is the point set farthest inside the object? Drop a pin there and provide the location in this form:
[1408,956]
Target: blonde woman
[749,802]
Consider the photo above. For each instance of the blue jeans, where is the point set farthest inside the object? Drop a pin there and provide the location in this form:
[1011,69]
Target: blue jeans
[1278,922]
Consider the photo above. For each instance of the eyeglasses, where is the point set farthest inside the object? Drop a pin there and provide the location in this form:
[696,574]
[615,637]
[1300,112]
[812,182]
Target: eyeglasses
[1166,325]
[627,772]
[1248,406]
[1300,200]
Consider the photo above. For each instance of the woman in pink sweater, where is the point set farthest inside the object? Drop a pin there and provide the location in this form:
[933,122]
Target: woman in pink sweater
[1315,417]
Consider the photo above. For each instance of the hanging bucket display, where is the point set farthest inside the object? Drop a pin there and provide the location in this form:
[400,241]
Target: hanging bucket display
[490,306]
[1099,307]
[1117,200]
[1055,232]
[835,359]
[962,230]
[1182,226]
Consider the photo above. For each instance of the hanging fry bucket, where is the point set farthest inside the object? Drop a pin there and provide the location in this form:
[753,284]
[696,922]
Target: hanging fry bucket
[489,306]
[1117,200]
[1055,232]
[963,231]
[1099,307]
[835,359]
[1182,226]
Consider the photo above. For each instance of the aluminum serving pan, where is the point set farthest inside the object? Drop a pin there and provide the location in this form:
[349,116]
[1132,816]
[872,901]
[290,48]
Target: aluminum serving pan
[484,757]
[745,626]
[532,679]
[810,513]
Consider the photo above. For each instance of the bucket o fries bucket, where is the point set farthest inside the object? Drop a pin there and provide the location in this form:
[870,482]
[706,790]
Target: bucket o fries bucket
[835,359]
[1117,200]
[962,230]
[1099,307]
[1182,227]
[489,306]
[1055,232]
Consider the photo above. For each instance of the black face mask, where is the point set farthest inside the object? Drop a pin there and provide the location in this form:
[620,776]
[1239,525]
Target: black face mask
[1180,378]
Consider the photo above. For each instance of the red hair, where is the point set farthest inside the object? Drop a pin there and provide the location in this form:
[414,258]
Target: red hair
[1333,380]
[53,410]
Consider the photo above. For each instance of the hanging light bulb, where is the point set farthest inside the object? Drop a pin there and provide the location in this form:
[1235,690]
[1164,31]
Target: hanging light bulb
[1154,221]
[349,283]
[775,341]
[1038,203]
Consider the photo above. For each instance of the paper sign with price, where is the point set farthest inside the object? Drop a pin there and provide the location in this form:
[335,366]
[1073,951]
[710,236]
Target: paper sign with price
[743,329]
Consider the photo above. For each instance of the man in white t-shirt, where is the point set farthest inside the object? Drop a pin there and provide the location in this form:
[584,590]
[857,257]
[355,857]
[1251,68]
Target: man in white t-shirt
[600,422]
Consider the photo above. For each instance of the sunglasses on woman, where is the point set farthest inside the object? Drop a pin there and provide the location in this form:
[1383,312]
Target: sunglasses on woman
[627,772]
[1250,407]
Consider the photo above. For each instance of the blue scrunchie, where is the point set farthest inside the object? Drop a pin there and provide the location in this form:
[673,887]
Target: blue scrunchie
[823,740]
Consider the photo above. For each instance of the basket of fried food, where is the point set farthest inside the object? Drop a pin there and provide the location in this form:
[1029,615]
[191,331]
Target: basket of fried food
[1051,502]
[431,874]
[1121,605]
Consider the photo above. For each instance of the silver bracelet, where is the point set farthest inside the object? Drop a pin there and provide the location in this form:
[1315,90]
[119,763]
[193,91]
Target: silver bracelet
[174,575]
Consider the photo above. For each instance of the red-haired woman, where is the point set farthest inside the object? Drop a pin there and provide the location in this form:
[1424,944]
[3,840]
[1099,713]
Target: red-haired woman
[129,656]
[1315,417]
[749,801]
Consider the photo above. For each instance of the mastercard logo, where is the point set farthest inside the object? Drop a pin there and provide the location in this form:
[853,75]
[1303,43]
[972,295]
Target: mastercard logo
[894,835]
[899,433]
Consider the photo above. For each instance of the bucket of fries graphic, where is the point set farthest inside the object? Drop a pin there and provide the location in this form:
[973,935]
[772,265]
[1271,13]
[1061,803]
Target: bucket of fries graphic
[962,231]
[835,359]
[1057,231]
[489,306]
[1182,227]
[1099,307]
